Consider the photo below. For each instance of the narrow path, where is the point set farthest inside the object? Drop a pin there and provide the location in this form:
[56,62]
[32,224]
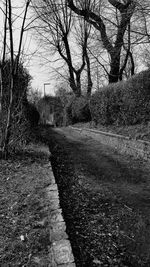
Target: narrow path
[120,186]
[102,165]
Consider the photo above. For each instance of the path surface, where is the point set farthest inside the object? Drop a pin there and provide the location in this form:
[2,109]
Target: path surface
[103,166]
[102,170]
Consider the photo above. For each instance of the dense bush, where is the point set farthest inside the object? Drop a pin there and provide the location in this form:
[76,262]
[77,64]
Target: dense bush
[123,103]
[31,114]
[24,116]
[78,110]
[21,83]
[67,113]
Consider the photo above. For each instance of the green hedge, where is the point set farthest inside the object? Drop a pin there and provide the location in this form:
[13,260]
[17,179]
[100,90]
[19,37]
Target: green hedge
[123,103]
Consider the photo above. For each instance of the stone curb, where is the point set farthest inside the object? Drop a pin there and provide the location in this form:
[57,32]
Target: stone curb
[60,252]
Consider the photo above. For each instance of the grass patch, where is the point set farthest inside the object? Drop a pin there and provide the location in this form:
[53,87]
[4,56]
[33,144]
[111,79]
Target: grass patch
[24,237]
[138,131]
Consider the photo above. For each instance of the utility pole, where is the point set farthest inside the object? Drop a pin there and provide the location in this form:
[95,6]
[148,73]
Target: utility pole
[44,87]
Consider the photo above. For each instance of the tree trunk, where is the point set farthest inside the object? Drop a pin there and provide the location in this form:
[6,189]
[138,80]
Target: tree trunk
[78,83]
[114,68]
[126,10]
[1,90]
[74,84]
[74,87]
[132,64]
[9,112]
[1,106]
[13,70]
[7,133]
[90,83]
[124,66]
[68,60]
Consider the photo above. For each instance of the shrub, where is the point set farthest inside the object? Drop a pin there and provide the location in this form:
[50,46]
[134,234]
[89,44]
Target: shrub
[31,114]
[23,115]
[123,103]
[78,110]
[67,113]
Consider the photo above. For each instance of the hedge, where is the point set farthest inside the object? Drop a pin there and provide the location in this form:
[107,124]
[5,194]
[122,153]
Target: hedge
[24,116]
[123,103]
[77,110]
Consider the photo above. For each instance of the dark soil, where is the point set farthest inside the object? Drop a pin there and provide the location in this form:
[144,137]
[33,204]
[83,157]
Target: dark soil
[105,199]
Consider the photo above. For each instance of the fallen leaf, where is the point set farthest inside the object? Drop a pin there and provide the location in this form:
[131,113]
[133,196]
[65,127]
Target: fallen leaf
[36,260]
[96,261]
[22,238]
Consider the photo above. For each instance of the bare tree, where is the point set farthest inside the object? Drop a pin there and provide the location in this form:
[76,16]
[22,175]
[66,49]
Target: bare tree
[128,56]
[83,38]
[57,31]
[113,45]
[3,55]
[142,30]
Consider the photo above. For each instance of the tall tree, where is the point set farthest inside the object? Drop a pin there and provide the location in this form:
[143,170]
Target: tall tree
[93,15]
[14,64]
[57,34]
[3,55]
[83,37]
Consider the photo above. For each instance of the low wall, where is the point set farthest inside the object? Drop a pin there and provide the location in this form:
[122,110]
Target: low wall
[123,144]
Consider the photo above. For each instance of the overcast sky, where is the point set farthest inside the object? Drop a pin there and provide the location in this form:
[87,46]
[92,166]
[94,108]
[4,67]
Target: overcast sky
[32,59]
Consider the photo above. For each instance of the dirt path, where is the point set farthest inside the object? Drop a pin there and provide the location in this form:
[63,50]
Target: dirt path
[102,166]
[113,185]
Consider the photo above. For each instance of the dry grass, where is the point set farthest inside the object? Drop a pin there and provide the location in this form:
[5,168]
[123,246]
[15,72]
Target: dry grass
[24,239]
[138,131]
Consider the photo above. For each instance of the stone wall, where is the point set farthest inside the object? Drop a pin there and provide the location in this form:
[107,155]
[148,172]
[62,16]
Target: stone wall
[123,144]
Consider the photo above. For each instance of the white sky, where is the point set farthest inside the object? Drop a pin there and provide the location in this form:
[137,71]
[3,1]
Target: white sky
[33,63]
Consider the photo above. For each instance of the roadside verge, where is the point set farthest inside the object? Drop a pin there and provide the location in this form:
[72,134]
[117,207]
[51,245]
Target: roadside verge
[33,230]
[60,251]
[123,144]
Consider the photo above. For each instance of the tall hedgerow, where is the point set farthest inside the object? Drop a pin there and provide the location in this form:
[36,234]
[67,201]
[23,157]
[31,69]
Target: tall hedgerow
[123,103]
[80,109]
[77,110]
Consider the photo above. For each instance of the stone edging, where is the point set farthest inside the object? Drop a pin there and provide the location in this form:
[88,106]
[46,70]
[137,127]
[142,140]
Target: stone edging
[100,132]
[60,252]
[123,144]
